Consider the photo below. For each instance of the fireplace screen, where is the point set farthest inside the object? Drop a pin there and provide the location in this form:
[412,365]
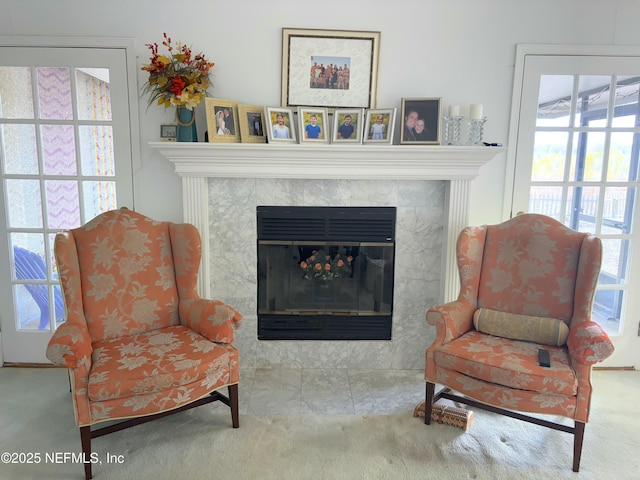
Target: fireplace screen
[325,272]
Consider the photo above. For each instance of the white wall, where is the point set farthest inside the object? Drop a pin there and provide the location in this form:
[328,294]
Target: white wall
[462,51]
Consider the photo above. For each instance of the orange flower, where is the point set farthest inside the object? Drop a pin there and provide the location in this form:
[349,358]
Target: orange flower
[303,265]
[318,266]
[177,85]
[327,266]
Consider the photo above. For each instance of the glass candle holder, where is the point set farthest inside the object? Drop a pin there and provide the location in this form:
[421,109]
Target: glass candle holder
[475,131]
[452,129]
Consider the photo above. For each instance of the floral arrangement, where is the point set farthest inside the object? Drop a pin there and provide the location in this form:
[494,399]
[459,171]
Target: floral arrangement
[177,78]
[322,266]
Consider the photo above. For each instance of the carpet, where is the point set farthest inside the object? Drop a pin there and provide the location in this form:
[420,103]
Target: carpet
[36,416]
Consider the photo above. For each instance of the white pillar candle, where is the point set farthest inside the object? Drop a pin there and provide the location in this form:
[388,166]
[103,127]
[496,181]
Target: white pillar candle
[475,111]
[454,110]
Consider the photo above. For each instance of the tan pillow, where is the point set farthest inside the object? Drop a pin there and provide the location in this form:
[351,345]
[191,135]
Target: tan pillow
[547,331]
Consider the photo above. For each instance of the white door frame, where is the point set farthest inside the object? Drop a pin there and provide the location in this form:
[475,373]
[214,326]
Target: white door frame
[128,45]
[522,51]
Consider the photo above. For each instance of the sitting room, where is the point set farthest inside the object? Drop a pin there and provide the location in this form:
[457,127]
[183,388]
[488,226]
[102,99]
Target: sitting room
[335,307]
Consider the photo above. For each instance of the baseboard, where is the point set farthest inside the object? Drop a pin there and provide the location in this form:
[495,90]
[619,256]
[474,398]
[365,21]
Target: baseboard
[31,365]
[615,368]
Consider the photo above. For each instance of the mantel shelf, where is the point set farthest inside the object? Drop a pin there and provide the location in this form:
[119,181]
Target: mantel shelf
[327,161]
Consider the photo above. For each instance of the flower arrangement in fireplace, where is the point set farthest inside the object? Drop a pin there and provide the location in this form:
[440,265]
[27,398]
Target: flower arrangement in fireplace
[322,266]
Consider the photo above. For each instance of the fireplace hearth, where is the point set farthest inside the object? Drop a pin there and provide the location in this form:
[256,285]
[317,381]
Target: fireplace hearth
[325,273]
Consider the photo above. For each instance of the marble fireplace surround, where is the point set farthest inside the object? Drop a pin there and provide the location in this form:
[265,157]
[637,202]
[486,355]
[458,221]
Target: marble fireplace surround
[394,175]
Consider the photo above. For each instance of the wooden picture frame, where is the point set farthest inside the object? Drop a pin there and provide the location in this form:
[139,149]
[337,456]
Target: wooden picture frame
[313,125]
[355,52]
[347,130]
[373,131]
[277,134]
[252,126]
[421,121]
[222,120]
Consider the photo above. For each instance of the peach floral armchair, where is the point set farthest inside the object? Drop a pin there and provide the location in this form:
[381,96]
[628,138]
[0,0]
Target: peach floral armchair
[138,340]
[521,276]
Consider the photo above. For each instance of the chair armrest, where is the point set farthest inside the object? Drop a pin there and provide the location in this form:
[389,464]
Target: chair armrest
[451,320]
[588,343]
[70,346]
[212,319]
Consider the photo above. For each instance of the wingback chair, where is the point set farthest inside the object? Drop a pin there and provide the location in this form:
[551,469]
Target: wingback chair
[138,340]
[526,284]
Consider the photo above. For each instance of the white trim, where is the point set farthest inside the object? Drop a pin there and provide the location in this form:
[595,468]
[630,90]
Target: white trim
[362,162]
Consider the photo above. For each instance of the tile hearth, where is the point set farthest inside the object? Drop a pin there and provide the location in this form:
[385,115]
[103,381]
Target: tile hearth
[293,391]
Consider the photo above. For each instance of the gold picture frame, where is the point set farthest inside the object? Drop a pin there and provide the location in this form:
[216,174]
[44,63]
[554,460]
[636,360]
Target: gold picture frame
[421,121]
[222,120]
[252,125]
[304,51]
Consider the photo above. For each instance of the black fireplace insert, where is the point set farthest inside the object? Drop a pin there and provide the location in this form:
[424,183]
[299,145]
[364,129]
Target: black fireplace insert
[325,273]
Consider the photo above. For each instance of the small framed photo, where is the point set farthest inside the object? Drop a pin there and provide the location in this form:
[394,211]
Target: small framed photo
[421,121]
[314,125]
[347,125]
[379,125]
[168,132]
[222,120]
[280,125]
[251,118]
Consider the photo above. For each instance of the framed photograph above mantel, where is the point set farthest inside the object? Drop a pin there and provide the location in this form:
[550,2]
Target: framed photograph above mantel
[421,121]
[329,68]
[222,118]
[251,119]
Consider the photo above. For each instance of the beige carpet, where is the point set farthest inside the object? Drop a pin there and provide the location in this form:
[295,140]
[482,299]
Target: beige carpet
[36,416]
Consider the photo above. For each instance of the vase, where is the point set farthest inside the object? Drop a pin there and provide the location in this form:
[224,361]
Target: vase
[323,290]
[186,125]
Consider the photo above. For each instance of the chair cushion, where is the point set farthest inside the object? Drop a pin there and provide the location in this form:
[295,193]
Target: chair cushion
[511,363]
[154,361]
[548,331]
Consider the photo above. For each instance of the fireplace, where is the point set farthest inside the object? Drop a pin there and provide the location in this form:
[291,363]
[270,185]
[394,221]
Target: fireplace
[430,185]
[325,273]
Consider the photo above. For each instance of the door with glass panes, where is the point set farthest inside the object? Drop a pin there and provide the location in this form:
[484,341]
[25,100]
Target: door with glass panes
[577,159]
[65,157]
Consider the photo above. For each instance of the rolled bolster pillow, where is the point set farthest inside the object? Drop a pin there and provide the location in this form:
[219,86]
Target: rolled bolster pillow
[544,330]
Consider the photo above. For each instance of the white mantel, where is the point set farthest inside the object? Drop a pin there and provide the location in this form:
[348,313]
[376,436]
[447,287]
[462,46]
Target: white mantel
[195,162]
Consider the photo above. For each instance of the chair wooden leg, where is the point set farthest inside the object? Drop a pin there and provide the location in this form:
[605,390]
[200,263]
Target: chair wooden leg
[578,436]
[233,400]
[428,402]
[85,440]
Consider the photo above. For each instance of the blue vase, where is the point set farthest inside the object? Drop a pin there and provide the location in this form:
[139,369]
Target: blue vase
[187,125]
